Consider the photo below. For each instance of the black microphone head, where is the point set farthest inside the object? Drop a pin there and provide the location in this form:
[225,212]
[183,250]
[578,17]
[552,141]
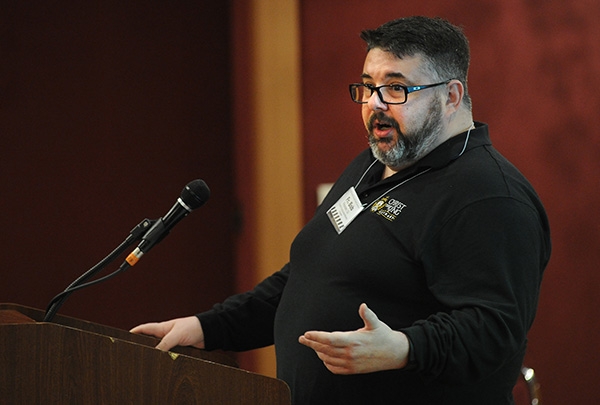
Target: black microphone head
[195,194]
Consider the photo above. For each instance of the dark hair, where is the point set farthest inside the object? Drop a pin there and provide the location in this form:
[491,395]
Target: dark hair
[444,46]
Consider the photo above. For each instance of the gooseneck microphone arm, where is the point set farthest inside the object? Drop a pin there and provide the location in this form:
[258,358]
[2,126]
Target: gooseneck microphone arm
[135,235]
[148,232]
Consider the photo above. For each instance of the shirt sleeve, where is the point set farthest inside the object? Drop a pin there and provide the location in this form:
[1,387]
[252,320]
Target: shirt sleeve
[245,321]
[485,266]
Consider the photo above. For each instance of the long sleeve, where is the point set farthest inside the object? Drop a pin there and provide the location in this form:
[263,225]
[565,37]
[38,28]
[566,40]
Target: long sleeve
[485,265]
[245,321]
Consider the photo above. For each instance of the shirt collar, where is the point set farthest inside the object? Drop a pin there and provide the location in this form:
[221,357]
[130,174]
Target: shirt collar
[445,153]
[452,149]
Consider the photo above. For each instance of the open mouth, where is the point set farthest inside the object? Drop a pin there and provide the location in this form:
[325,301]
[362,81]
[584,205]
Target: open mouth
[380,126]
[382,130]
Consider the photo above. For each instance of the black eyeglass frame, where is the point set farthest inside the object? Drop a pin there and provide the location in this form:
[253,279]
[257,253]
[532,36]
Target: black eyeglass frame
[407,90]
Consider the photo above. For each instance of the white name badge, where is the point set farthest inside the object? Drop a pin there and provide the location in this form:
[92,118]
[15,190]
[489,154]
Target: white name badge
[345,210]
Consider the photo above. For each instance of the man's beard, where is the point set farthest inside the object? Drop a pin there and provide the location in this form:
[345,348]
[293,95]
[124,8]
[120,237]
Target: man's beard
[409,147]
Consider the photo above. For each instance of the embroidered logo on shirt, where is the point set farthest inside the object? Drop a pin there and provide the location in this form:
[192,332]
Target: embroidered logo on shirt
[388,208]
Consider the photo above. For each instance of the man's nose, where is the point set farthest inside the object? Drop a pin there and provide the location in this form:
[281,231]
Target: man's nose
[375,102]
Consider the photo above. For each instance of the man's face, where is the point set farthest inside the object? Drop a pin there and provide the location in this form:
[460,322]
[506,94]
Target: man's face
[401,134]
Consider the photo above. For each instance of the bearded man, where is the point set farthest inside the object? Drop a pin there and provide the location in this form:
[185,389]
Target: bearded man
[430,234]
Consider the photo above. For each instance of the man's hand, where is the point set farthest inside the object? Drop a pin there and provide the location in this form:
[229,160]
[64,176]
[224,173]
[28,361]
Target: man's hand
[176,332]
[374,347]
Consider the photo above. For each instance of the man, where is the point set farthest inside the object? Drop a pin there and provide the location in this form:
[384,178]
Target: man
[433,236]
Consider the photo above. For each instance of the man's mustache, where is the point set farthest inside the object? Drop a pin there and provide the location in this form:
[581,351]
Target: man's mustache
[382,119]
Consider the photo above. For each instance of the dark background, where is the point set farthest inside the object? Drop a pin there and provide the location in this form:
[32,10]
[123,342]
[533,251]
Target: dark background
[107,110]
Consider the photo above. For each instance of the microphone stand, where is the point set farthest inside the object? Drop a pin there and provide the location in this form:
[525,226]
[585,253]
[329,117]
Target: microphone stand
[135,235]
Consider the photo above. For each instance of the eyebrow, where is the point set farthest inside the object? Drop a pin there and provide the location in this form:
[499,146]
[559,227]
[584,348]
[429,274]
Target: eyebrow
[391,75]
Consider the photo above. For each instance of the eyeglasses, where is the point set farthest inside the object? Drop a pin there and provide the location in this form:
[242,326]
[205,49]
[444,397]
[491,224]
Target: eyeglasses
[388,93]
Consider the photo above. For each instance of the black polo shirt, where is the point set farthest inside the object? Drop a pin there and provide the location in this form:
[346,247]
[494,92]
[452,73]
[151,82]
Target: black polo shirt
[450,251]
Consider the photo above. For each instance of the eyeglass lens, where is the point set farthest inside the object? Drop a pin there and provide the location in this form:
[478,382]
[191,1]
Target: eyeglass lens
[387,94]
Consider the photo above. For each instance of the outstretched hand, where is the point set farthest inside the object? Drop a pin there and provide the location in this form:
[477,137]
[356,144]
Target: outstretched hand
[176,332]
[374,347]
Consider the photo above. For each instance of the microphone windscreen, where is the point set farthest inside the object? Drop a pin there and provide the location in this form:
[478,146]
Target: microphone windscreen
[195,193]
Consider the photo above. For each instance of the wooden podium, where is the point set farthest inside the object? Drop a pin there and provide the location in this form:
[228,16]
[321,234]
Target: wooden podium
[78,362]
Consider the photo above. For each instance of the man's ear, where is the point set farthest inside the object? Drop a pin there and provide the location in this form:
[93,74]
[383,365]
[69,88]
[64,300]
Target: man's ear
[456,91]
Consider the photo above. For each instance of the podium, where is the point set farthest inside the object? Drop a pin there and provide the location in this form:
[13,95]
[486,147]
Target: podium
[79,362]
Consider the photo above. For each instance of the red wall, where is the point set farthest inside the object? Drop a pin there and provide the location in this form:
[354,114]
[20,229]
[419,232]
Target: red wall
[534,79]
[107,110]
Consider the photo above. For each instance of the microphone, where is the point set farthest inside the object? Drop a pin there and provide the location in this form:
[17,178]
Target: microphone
[193,196]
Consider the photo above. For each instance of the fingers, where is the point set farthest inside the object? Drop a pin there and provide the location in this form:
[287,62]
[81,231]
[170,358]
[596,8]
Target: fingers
[169,341]
[371,348]
[339,339]
[322,340]
[369,318]
[335,358]
[320,343]
[335,349]
[342,339]
[176,332]
[152,329]
[338,366]
[160,330]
